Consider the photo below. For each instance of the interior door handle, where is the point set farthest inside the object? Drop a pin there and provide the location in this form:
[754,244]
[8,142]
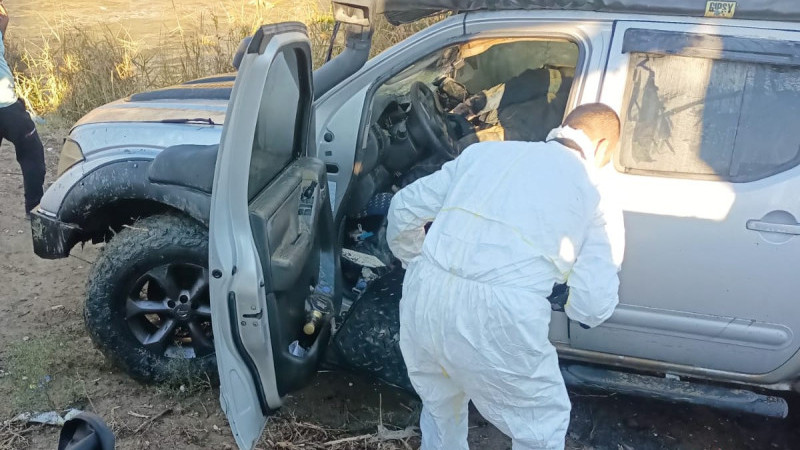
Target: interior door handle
[772,227]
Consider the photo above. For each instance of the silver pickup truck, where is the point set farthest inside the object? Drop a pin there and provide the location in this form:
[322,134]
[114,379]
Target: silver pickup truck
[294,176]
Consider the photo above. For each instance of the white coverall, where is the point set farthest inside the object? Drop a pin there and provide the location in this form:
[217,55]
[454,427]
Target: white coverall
[511,219]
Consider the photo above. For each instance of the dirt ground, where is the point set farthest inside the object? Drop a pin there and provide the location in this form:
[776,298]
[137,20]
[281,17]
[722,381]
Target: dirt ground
[47,362]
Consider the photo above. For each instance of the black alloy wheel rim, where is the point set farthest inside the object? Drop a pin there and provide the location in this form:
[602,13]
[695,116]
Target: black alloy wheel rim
[168,310]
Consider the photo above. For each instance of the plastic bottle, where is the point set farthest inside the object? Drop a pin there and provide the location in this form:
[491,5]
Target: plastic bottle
[313,321]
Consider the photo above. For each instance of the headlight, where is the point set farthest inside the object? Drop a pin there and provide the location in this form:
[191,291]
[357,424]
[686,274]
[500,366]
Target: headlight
[71,154]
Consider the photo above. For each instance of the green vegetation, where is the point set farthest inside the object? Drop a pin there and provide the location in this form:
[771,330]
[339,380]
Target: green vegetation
[40,376]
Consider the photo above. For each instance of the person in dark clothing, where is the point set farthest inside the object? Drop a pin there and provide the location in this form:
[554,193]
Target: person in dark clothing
[16,126]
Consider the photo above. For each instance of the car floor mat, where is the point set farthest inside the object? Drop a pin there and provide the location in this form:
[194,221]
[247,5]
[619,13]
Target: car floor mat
[368,340]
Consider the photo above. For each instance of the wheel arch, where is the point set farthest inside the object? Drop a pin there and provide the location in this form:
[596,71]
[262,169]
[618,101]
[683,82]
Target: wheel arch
[118,194]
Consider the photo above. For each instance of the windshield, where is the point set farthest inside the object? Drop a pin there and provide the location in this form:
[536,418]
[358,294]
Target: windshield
[425,70]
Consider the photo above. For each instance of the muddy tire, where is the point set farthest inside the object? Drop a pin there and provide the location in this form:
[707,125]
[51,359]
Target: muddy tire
[147,302]
[369,339]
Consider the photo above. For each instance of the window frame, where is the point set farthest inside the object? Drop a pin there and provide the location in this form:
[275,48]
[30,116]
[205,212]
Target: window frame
[350,100]
[617,87]
[301,120]
[547,35]
[540,30]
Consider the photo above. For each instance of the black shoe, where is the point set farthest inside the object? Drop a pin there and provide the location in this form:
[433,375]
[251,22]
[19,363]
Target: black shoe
[29,211]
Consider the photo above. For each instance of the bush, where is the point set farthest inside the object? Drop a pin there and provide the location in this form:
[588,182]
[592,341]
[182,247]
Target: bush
[78,69]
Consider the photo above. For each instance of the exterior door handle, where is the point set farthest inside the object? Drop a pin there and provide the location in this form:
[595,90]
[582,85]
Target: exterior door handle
[772,227]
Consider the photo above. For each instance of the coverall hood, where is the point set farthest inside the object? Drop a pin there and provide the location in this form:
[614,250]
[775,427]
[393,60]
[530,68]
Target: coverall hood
[578,137]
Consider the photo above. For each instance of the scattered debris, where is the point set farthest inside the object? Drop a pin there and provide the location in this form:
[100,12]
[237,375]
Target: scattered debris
[148,422]
[362,259]
[12,435]
[368,274]
[383,435]
[285,432]
[135,228]
[46,418]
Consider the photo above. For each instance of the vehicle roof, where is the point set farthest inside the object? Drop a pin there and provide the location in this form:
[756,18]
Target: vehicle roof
[404,11]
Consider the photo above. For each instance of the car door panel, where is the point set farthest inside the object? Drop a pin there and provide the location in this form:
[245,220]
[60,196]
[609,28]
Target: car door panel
[285,228]
[699,287]
[270,215]
[280,232]
[693,275]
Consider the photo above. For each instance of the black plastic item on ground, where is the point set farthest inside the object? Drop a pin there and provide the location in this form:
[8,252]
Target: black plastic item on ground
[369,339]
[86,431]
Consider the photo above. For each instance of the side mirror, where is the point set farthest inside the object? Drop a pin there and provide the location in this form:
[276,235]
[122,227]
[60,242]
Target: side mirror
[240,51]
[357,12]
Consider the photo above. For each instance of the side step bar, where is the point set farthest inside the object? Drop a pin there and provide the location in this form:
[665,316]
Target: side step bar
[739,400]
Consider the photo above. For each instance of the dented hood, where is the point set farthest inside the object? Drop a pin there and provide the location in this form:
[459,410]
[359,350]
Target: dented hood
[203,99]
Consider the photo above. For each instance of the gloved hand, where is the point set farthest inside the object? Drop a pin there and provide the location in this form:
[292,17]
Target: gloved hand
[558,299]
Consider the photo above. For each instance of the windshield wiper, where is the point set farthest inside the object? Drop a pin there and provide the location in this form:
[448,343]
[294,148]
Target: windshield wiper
[195,120]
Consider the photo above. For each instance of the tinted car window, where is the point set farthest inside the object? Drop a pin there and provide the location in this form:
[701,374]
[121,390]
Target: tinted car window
[276,131]
[699,117]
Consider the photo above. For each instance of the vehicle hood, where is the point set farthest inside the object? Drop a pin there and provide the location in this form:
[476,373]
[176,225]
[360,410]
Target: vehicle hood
[404,11]
[203,99]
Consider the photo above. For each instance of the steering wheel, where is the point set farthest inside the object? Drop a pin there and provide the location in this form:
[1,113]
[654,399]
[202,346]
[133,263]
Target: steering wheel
[426,122]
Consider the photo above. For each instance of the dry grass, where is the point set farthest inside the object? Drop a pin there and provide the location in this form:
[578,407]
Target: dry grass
[72,69]
[282,432]
[286,432]
[13,435]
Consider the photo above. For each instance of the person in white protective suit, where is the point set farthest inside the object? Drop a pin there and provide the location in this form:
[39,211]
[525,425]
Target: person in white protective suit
[509,220]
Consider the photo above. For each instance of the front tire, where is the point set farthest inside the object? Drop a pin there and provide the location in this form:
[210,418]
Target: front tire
[369,338]
[147,300]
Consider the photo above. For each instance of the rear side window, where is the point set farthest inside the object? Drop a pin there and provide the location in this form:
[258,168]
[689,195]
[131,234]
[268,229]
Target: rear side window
[712,118]
[276,126]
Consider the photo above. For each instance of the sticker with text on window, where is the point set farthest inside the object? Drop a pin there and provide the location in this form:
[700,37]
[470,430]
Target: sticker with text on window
[720,9]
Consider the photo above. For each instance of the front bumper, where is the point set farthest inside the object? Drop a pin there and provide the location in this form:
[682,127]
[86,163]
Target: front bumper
[52,239]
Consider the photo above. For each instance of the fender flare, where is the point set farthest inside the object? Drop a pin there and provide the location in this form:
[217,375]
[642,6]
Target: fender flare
[124,181]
